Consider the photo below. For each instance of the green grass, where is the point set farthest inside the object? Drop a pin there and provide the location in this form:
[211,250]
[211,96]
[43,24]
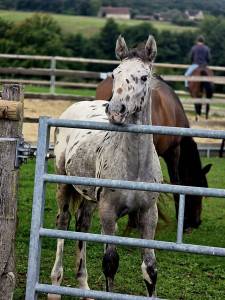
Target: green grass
[60,90]
[180,276]
[87,25]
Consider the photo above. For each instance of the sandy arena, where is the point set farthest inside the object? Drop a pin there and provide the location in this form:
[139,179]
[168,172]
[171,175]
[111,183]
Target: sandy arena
[53,108]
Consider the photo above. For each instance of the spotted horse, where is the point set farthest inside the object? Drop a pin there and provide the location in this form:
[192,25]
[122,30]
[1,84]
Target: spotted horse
[112,155]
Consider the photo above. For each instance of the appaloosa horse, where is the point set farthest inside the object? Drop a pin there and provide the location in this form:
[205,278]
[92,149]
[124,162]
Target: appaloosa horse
[180,153]
[198,89]
[113,155]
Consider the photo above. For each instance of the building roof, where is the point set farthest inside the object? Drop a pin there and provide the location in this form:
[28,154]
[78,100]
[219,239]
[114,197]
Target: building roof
[193,12]
[115,10]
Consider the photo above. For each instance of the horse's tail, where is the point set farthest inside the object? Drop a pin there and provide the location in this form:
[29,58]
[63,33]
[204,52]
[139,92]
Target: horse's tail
[206,85]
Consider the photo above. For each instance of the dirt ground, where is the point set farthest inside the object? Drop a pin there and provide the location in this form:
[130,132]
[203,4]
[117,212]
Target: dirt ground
[36,108]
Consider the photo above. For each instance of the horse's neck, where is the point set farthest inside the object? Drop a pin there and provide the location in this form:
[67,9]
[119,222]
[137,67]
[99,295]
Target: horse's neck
[136,149]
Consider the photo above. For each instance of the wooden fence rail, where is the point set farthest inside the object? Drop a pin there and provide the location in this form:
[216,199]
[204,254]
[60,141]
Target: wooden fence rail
[99,75]
[68,74]
[94,61]
[53,72]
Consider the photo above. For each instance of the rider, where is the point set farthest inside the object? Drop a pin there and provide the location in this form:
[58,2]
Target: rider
[200,56]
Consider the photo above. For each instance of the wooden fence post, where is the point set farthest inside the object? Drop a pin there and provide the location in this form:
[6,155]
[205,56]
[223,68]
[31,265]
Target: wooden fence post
[52,78]
[10,131]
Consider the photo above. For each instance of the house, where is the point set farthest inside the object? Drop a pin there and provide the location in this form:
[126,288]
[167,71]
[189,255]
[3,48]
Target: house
[114,12]
[194,15]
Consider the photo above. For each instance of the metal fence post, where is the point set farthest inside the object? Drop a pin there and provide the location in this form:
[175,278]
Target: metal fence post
[180,222]
[37,210]
[52,78]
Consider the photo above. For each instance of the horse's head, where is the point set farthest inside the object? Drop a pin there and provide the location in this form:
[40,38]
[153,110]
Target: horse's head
[193,204]
[131,81]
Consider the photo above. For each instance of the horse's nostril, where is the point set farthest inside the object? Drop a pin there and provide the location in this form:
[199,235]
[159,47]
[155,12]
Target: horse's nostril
[107,108]
[123,108]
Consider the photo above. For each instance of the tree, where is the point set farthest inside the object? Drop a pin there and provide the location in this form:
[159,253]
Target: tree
[107,39]
[5,26]
[168,49]
[139,33]
[213,30]
[95,6]
[39,34]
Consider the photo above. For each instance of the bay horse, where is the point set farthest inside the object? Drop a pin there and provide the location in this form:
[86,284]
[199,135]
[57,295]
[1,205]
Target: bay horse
[112,155]
[180,153]
[199,89]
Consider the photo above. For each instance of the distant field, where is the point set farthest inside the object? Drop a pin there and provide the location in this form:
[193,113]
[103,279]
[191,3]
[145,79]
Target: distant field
[87,25]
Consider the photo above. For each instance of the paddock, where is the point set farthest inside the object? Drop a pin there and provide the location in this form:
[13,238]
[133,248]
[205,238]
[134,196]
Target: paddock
[186,293]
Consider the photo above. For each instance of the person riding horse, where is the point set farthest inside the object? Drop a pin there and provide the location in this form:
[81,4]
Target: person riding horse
[200,57]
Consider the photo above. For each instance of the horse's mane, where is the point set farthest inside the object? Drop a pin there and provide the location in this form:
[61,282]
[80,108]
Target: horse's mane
[158,77]
[172,93]
[138,51]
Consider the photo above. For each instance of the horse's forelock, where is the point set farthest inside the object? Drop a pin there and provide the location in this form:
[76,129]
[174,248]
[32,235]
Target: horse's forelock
[137,53]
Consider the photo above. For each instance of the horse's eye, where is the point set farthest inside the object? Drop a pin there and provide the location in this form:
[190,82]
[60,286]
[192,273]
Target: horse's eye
[144,78]
[112,76]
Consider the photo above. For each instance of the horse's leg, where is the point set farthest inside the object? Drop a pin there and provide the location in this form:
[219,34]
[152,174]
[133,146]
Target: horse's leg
[198,110]
[171,158]
[147,226]
[110,262]
[83,222]
[62,222]
[207,108]
[209,95]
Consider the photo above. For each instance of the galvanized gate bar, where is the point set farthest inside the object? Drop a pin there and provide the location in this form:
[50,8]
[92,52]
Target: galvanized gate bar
[164,130]
[133,242]
[37,210]
[41,177]
[180,221]
[133,185]
[61,290]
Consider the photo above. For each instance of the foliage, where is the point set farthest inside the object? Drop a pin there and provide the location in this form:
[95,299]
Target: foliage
[42,35]
[139,33]
[39,34]
[107,38]
[91,7]
[214,31]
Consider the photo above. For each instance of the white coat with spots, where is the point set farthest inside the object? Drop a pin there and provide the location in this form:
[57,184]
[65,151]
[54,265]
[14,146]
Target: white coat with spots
[111,155]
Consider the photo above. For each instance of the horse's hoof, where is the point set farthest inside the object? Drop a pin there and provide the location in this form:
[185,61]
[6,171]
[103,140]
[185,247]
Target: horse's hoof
[54,297]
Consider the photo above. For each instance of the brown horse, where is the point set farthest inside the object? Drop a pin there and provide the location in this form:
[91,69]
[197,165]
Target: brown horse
[180,153]
[198,89]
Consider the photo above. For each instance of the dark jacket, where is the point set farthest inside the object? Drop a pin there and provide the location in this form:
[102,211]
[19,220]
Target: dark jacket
[200,54]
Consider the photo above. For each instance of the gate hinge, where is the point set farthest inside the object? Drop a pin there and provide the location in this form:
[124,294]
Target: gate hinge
[23,152]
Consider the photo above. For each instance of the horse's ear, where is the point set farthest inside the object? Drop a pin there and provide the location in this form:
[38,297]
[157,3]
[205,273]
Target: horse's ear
[121,48]
[206,169]
[151,48]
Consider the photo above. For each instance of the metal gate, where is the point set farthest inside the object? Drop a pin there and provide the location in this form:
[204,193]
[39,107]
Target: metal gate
[41,178]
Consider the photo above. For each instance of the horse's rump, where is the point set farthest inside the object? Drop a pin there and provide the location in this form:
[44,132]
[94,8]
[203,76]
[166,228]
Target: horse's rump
[197,88]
